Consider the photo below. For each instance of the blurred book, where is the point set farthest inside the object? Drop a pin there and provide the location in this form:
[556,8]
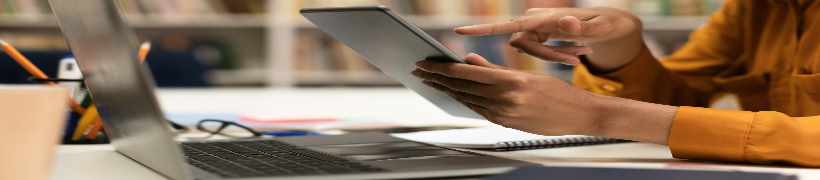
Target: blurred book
[192,7]
[27,8]
[315,56]
[318,57]
[659,7]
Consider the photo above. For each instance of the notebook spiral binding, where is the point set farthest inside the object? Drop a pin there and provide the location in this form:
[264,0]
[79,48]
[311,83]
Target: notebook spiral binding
[555,143]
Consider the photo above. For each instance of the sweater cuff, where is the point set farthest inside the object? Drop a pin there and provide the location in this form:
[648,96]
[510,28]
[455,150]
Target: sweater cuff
[583,78]
[612,83]
[701,133]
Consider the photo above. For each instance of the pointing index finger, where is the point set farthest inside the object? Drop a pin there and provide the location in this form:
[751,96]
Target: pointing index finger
[524,23]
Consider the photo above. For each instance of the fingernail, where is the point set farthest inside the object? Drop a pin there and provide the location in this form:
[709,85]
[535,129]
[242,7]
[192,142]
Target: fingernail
[459,30]
[568,18]
[584,52]
[468,30]
[465,27]
[574,62]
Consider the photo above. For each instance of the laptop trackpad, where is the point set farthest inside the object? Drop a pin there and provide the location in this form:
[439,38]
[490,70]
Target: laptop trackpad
[383,150]
[388,151]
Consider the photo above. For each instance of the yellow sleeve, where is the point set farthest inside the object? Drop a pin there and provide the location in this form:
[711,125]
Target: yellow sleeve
[686,77]
[643,79]
[757,137]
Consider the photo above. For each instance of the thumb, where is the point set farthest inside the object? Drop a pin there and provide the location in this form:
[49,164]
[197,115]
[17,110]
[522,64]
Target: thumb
[478,60]
[570,25]
[589,29]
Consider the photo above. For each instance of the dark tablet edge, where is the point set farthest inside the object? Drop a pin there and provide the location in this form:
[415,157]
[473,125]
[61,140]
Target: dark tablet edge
[347,8]
[418,32]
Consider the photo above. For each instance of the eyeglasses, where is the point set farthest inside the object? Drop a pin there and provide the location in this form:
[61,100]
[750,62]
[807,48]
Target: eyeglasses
[211,126]
[232,129]
[226,128]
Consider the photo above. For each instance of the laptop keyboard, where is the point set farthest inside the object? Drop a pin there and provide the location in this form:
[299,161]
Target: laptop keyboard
[267,158]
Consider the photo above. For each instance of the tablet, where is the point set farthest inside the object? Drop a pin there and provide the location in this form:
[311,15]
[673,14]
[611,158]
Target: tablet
[392,45]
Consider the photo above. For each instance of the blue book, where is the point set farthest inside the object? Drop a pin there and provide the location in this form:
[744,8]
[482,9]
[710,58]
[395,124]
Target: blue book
[73,118]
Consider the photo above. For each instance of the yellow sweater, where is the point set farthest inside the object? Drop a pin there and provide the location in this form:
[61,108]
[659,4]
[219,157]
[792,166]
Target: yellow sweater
[767,52]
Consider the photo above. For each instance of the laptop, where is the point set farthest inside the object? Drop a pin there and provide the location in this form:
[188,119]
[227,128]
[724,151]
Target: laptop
[123,90]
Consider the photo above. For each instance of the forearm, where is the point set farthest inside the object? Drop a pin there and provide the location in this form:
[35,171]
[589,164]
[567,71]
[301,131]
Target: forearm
[633,120]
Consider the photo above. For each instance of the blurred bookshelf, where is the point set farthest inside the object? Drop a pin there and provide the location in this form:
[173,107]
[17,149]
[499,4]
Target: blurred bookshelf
[266,43]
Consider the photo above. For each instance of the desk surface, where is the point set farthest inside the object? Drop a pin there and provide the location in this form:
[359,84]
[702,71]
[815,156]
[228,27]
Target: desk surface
[91,162]
[101,162]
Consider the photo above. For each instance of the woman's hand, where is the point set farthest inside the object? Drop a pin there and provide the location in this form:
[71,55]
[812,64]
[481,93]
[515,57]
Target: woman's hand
[609,37]
[529,102]
[541,104]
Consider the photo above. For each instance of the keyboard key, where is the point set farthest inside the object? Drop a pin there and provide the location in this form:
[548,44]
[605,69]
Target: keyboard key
[267,158]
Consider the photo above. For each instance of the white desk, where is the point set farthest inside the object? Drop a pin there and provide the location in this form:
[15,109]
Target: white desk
[91,162]
[101,162]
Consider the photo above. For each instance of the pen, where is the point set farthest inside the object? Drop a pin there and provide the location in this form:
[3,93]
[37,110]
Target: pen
[94,129]
[36,72]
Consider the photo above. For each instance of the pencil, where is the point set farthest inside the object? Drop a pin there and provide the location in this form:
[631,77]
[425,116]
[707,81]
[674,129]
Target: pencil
[86,120]
[145,47]
[36,72]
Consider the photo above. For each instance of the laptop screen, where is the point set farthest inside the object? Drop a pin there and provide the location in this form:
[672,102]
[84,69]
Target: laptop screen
[122,89]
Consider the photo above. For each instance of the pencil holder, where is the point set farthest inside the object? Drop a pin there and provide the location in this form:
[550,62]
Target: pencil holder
[32,118]
[83,127]
[84,124]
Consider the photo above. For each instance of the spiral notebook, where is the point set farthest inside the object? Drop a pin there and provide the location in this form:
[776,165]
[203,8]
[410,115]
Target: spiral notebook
[500,139]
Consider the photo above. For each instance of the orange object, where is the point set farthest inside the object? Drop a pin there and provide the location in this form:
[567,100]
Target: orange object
[95,129]
[85,122]
[145,47]
[36,72]
[765,52]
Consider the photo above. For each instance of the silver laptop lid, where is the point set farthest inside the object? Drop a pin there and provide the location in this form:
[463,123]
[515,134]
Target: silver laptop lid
[105,49]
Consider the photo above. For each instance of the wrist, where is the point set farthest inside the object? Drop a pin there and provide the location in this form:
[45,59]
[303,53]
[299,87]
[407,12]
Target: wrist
[599,110]
[602,110]
[633,120]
